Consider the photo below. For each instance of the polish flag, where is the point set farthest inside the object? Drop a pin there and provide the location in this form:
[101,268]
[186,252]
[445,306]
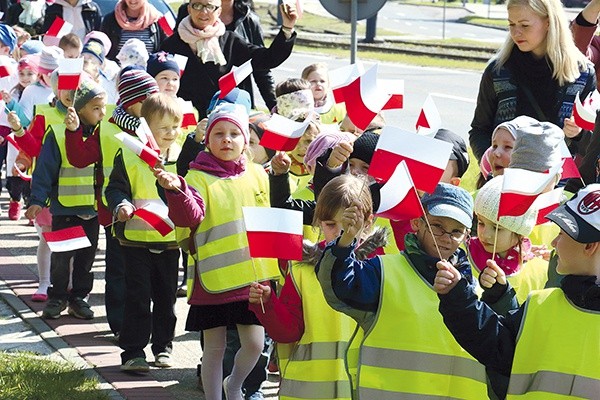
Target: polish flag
[546,203]
[5,70]
[145,134]
[234,77]
[341,77]
[569,168]
[59,28]
[11,139]
[149,156]
[157,216]
[274,232]
[399,200]
[395,88]
[181,61]
[167,23]
[585,117]
[426,158]
[22,174]
[69,73]
[282,134]
[429,121]
[365,98]
[68,239]
[520,189]
[189,117]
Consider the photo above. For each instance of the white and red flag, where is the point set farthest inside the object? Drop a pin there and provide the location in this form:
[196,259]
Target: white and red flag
[546,203]
[11,139]
[274,232]
[234,77]
[157,216]
[181,61]
[395,88]
[21,174]
[399,200]
[569,168]
[167,23]
[58,29]
[5,69]
[426,158]
[67,239]
[189,116]
[145,134]
[429,120]
[585,114]
[339,78]
[520,189]
[365,98]
[148,155]
[69,73]
[282,134]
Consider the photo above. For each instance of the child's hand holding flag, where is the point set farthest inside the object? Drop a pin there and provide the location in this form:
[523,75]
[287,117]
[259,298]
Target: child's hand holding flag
[71,119]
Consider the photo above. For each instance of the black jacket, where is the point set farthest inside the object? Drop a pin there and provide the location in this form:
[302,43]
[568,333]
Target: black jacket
[113,31]
[92,16]
[200,81]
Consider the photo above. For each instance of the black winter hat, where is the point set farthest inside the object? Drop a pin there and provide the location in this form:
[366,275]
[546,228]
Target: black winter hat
[364,146]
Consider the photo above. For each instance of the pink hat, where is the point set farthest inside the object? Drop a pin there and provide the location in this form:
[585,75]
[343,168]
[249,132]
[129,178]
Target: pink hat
[30,61]
[99,37]
[324,142]
[484,165]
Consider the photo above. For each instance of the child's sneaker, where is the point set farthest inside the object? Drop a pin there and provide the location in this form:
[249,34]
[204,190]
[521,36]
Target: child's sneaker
[39,297]
[54,308]
[163,360]
[14,210]
[138,364]
[80,309]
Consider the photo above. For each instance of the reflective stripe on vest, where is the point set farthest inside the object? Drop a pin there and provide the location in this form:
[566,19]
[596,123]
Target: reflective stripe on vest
[109,145]
[424,361]
[316,368]
[75,185]
[143,192]
[222,256]
[558,350]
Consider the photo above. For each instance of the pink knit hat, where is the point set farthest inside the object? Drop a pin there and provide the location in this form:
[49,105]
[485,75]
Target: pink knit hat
[484,165]
[322,143]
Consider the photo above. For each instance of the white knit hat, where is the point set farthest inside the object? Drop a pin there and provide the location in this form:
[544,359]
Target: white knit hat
[488,201]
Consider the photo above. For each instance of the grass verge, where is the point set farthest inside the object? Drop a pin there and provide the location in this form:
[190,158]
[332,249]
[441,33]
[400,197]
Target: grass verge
[490,22]
[27,376]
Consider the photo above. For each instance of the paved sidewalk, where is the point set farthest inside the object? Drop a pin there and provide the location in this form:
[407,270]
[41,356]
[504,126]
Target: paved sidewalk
[88,344]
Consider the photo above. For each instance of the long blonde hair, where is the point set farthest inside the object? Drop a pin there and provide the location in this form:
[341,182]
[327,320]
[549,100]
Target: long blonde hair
[566,59]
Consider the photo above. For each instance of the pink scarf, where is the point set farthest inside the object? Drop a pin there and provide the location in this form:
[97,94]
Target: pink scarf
[148,16]
[210,164]
[510,265]
[204,43]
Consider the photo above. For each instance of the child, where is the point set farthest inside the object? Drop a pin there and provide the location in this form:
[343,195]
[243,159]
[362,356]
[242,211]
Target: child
[406,350]
[549,346]
[219,183]
[110,69]
[8,43]
[318,76]
[514,253]
[134,86]
[151,259]
[312,336]
[260,154]
[71,45]
[133,53]
[68,210]
[93,63]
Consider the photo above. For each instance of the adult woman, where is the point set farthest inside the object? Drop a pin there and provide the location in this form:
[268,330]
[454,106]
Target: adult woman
[85,16]
[133,19]
[238,17]
[537,72]
[212,51]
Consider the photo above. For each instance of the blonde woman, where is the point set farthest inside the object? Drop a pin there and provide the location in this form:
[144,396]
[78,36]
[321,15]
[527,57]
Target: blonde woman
[537,72]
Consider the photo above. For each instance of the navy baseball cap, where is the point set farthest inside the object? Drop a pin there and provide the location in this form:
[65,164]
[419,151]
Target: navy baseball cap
[580,216]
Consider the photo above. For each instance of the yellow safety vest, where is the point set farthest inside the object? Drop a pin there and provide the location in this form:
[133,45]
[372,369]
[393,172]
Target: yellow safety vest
[310,232]
[409,352]
[143,191]
[558,350]
[222,255]
[75,185]
[316,367]
[109,145]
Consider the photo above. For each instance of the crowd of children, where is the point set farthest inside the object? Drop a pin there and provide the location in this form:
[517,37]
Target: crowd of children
[452,304]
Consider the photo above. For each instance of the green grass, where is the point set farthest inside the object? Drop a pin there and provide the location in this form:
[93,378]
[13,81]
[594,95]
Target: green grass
[27,376]
[492,22]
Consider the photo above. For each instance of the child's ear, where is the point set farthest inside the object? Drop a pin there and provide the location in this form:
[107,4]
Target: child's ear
[455,180]
[415,224]
[591,249]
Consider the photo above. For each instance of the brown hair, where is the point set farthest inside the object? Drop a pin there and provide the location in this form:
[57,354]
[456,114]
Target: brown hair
[158,105]
[291,85]
[70,40]
[314,67]
[340,193]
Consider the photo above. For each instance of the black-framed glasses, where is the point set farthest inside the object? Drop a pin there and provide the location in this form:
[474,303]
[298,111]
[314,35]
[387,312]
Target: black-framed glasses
[211,8]
[455,235]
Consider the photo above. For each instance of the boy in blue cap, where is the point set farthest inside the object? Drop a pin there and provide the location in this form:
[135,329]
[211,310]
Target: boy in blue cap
[549,346]
[406,350]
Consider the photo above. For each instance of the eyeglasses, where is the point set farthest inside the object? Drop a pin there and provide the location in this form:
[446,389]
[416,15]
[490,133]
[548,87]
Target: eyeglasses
[211,8]
[455,235]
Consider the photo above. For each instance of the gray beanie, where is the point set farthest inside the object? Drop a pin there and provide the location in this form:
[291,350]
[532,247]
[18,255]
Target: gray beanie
[487,203]
[537,144]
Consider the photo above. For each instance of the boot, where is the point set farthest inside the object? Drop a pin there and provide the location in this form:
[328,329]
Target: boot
[14,210]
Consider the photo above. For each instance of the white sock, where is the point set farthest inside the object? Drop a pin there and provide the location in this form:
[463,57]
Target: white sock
[252,341]
[212,362]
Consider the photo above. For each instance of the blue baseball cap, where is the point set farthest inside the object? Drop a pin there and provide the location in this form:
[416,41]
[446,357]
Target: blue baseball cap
[450,201]
[236,96]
